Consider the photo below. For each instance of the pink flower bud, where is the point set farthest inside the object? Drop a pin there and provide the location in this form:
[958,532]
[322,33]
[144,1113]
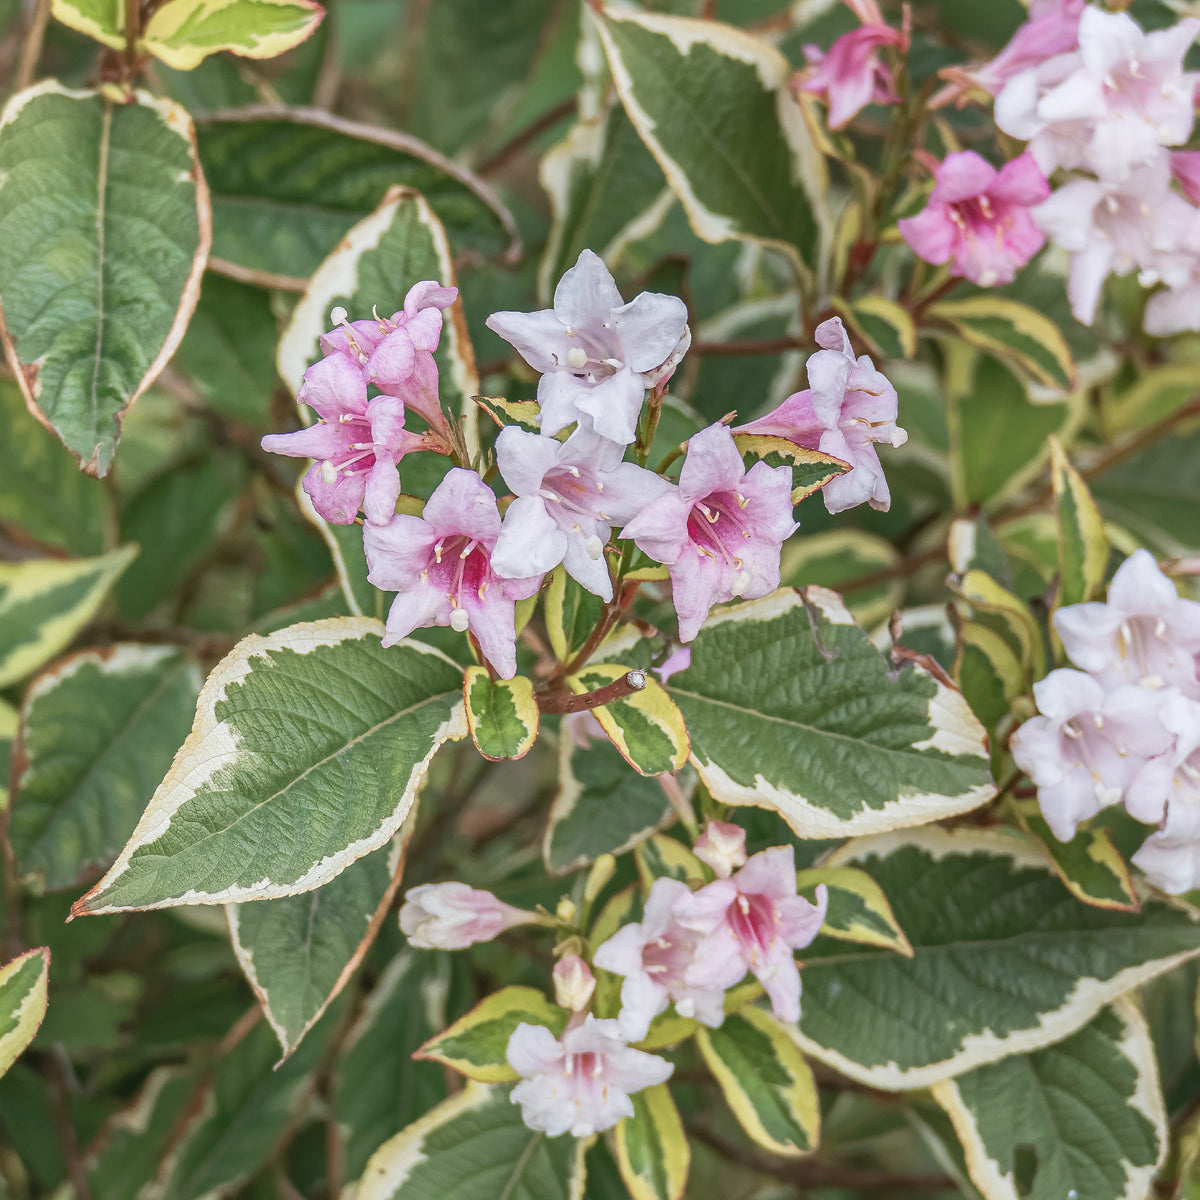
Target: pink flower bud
[722,847]
[451,916]
[574,983]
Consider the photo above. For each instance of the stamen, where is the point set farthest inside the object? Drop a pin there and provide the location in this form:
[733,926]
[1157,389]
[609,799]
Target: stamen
[328,472]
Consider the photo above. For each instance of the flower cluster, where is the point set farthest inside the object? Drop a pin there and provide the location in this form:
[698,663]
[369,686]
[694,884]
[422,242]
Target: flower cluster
[1125,727]
[718,529]
[688,949]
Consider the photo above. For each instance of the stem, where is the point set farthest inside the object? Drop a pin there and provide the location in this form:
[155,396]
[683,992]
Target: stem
[763,346]
[562,702]
[132,29]
[56,1088]
[530,133]
[31,48]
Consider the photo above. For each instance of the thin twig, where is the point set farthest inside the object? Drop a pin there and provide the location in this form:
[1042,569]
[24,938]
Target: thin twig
[31,48]
[565,702]
[64,1124]
[529,134]
[778,345]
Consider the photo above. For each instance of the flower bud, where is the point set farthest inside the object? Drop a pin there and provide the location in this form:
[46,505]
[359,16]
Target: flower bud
[451,916]
[722,847]
[574,983]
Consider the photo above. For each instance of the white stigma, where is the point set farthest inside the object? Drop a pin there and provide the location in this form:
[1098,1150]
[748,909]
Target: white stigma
[594,546]
[459,621]
[328,472]
[576,357]
[337,315]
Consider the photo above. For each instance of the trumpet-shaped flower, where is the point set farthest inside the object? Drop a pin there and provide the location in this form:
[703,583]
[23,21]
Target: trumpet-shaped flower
[847,408]
[452,916]
[1145,634]
[720,531]
[978,218]
[753,921]
[654,955]
[569,496]
[579,1083]
[1170,863]
[1108,107]
[722,846]
[1087,746]
[356,444]
[850,75]
[597,354]
[1166,791]
[439,564]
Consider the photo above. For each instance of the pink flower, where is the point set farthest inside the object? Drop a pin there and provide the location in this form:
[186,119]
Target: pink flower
[451,916]
[1145,634]
[574,983]
[356,444]
[753,922]
[597,354]
[979,218]
[1086,747]
[850,76]
[1166,791]
[722,847]
[849,407]
[439,563]
[569,496]
[719,533]
[1108,107]
[654,955]
[580,1082]
[1185,166]
[1172,864]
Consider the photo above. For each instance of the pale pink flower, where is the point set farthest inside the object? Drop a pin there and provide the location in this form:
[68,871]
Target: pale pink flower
[1111,105]
[579,1083]
[452,916]
[1176,307]
[1166,791]
[1172,864]
[569,496]
[678,660]
[978,218]
[597,354]
[1086,747]
[356,444]
[753,921]
[574,983]
[719,533]
[1145,634]
[439,563]
[848,408]
[721,846]
[653,955]
[1185,166]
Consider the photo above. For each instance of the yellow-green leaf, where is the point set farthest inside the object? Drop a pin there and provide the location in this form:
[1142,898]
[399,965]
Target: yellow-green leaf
[44,602]
[522,413]
[881,322]
[652,1148]
[662,855]
[646,727]
[765,1080]
[831,559]
[1012,331]
[858,909]
[1082,542]
[571,614]
[988,671]
[22,1002]
[185,32]
[811,469]
[1089,864]
[502,714]
[477,1043]
[102,20]
[1010,617]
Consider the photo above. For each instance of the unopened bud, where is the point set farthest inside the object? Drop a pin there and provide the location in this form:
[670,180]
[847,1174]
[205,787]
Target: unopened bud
[573,983]
[566,910]
[451,916]
[722,847]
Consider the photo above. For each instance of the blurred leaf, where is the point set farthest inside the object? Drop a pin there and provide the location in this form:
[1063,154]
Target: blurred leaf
[96,301]
[830,559]
[652,1148]
[1082,542]
[884,324]
[22,1002]
[571,613]
[184,32]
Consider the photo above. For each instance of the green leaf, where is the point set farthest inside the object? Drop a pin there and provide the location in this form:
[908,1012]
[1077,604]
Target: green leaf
[660,856]
[571,613]
[1005,960]
[22,1002]
[1082,542]
[345,546]
[474,1146]
[308,750]
[837,556]
[1089,864]
[45,602]
[601,807]
[98,732]
[239,1115]
[765,1081]
[44,497]
[858,910]
[288,184]
[401,243]
[476,1044]
[1085,1114]
[652,1149]
[228,351]
[502,714]
[104,232]
[605,192]
[298,952]
[378,1088]
[522,413]
[989,672]
[996,608]
[184,32]
[103,20]
[1012,331]
[791,707]
[712,105]
[884,324]
[811,469]
[8,733]
[646,727]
